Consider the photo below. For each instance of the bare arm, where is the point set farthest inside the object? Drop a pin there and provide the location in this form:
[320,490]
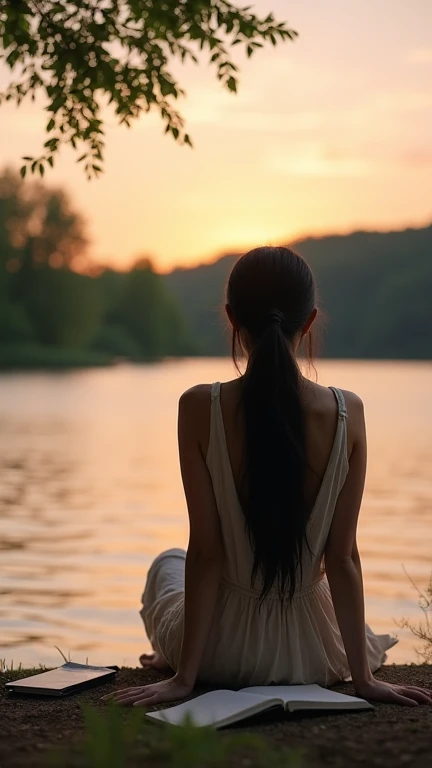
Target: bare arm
[344,573]
[342,559]
[204,557]
[205,551]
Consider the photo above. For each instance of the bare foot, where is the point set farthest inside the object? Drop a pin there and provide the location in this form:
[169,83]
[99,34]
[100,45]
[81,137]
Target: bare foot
[154,661]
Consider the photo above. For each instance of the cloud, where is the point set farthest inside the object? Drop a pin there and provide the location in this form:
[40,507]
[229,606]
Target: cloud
[318,160]
[315,161]
[255,120]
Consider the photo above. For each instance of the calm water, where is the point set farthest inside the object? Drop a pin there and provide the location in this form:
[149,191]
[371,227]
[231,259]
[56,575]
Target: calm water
[90,492]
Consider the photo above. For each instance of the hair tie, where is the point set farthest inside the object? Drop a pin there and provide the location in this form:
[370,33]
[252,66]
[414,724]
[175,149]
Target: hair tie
[275,316]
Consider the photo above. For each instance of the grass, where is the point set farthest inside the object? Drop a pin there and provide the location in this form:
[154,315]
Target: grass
[423,630]
[118,737]
[6,667]
[82,732]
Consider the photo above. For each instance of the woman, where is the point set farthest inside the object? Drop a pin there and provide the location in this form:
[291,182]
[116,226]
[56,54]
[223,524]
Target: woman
[273,467]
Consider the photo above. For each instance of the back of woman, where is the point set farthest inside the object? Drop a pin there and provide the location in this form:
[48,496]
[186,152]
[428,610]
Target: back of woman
[261,637]
[273,467]
[326,459]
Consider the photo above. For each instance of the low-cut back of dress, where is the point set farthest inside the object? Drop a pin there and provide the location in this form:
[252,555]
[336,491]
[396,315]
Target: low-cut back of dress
[239,557]
[253,642]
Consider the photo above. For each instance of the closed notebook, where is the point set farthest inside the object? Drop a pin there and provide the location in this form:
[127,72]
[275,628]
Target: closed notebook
[220,708]
[64,680]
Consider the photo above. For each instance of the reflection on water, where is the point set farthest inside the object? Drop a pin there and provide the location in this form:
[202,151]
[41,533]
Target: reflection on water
[90,492]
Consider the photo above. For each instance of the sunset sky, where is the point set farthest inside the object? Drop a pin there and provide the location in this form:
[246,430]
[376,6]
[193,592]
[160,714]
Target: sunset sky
[328,134]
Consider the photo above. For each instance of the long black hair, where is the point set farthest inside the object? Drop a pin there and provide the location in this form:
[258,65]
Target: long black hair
[271,295]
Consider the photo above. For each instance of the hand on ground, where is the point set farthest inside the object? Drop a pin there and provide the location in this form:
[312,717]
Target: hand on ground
[148,695]
[389,693]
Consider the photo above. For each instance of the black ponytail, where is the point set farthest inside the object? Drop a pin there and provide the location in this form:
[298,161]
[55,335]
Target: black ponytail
[271,296]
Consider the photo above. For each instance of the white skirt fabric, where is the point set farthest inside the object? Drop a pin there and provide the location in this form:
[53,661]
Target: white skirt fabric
[249,644]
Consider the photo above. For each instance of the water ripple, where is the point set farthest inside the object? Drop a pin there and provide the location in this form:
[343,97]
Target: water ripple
[90,492]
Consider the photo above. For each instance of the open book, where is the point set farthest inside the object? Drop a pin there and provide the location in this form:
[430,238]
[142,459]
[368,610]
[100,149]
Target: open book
[220,708]
[64,680]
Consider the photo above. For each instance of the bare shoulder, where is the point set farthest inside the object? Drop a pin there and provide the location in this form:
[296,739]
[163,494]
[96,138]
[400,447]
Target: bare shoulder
[320,405]
[194,416]
[195,396]
[356,420]
[354,405]
[199,396]
[194,403]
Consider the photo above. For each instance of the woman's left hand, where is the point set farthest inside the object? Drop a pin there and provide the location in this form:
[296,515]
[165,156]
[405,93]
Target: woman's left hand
[148,695]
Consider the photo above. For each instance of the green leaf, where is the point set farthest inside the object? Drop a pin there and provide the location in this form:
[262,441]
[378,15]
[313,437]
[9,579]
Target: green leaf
[23,171]
[78,75]
[27,158]
[41,169]
[167,87]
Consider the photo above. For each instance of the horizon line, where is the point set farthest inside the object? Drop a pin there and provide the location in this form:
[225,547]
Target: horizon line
[319,235]
[213,258]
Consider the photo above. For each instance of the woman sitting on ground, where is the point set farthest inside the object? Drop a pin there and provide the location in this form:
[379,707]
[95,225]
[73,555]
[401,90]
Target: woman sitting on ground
[273,465]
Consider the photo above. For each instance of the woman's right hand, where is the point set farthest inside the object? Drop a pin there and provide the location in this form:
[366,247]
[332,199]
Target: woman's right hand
[390,693]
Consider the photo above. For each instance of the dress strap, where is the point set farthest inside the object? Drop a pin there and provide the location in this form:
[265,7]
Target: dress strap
[340,401]
[215,390]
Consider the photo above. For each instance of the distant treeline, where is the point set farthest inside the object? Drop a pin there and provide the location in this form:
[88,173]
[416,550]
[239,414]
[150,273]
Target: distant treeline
[52,315]
[374,290]
[57,309]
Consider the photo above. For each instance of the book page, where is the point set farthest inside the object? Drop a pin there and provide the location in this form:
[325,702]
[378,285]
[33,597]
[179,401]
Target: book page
[62,677]
[309,697]
[217,708]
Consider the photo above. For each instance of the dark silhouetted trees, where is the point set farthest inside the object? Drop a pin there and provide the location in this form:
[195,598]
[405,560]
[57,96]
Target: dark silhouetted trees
[374,289]
[50,313]
[57,309]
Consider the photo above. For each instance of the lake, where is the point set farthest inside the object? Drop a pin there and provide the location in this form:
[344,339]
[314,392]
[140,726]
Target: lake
[90,493]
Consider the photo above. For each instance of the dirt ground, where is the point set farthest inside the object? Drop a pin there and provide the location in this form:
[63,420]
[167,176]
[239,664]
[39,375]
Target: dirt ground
[387,736]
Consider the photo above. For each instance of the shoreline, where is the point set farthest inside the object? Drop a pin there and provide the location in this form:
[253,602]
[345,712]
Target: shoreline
[387,736]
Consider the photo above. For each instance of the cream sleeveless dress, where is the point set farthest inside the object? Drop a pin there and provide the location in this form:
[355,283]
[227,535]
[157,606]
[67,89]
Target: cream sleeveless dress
[249,644]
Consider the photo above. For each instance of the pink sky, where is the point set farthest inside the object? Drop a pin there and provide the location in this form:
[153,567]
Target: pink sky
[328,134]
